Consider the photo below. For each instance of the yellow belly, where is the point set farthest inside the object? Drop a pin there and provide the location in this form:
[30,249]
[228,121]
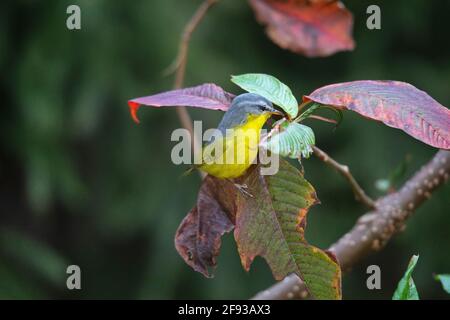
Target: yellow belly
[231,156]
[238,155]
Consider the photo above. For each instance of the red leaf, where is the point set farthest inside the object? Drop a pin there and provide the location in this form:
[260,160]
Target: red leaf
[397,104]
[314,28]
[198,237]
[208,96]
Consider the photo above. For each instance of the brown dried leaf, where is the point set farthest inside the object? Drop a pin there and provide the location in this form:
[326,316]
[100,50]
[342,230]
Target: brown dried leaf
[198,237]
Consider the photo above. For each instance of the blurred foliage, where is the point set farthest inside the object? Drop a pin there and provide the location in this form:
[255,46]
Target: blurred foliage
[81,184]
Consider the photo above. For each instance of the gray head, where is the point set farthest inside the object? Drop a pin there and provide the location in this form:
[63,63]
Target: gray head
[244,105]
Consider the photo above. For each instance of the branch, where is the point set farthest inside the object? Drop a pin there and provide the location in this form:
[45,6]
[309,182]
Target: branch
[344,170]
[374,229]
[324,119]
[180,62]
[179,67]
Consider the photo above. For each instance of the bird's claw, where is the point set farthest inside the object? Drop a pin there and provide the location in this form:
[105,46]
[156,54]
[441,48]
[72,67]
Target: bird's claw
[242,188]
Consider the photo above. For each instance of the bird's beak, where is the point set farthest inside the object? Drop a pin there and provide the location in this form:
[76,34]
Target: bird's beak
[275,111]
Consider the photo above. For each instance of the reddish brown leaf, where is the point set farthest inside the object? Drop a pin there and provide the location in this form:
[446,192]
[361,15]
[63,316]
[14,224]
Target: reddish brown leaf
[397,104]
[314,28]
[198,237]
[208,96]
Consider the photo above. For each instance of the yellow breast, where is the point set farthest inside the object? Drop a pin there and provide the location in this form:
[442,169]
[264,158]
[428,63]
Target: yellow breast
[231,156]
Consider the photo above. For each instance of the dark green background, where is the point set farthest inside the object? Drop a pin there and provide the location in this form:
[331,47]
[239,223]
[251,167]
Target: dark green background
[81,184]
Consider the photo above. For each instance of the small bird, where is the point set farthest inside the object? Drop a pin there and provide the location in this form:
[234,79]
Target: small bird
[232,154]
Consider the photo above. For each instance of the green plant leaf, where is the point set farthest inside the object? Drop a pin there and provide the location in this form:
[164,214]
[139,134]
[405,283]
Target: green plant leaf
[406,289]
[294,140]
[445,281]
[270,88]
[272,223]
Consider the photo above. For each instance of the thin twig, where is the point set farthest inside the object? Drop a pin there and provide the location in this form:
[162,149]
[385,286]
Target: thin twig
[183,48]
[179,66]
[344,170]
[374,229]
[324,119]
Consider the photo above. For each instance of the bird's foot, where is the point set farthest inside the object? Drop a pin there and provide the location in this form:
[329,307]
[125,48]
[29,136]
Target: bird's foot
[243,189]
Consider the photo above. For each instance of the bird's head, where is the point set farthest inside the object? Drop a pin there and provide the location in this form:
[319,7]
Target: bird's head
[243,106]
[251,103]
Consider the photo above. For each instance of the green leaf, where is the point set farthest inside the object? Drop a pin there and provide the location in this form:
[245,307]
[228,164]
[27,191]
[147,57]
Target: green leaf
[445,281]
[272,223]
[406,289]
[270,88]
[294,140]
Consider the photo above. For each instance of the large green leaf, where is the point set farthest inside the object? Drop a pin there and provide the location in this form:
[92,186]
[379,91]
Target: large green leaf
[445,281]
[270,88]
[406,289]
[294,140]
[271,224]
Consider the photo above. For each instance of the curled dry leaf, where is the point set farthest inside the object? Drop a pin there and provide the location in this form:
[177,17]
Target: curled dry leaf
[313,28]
[397,104]
[207,96]
[198,238]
